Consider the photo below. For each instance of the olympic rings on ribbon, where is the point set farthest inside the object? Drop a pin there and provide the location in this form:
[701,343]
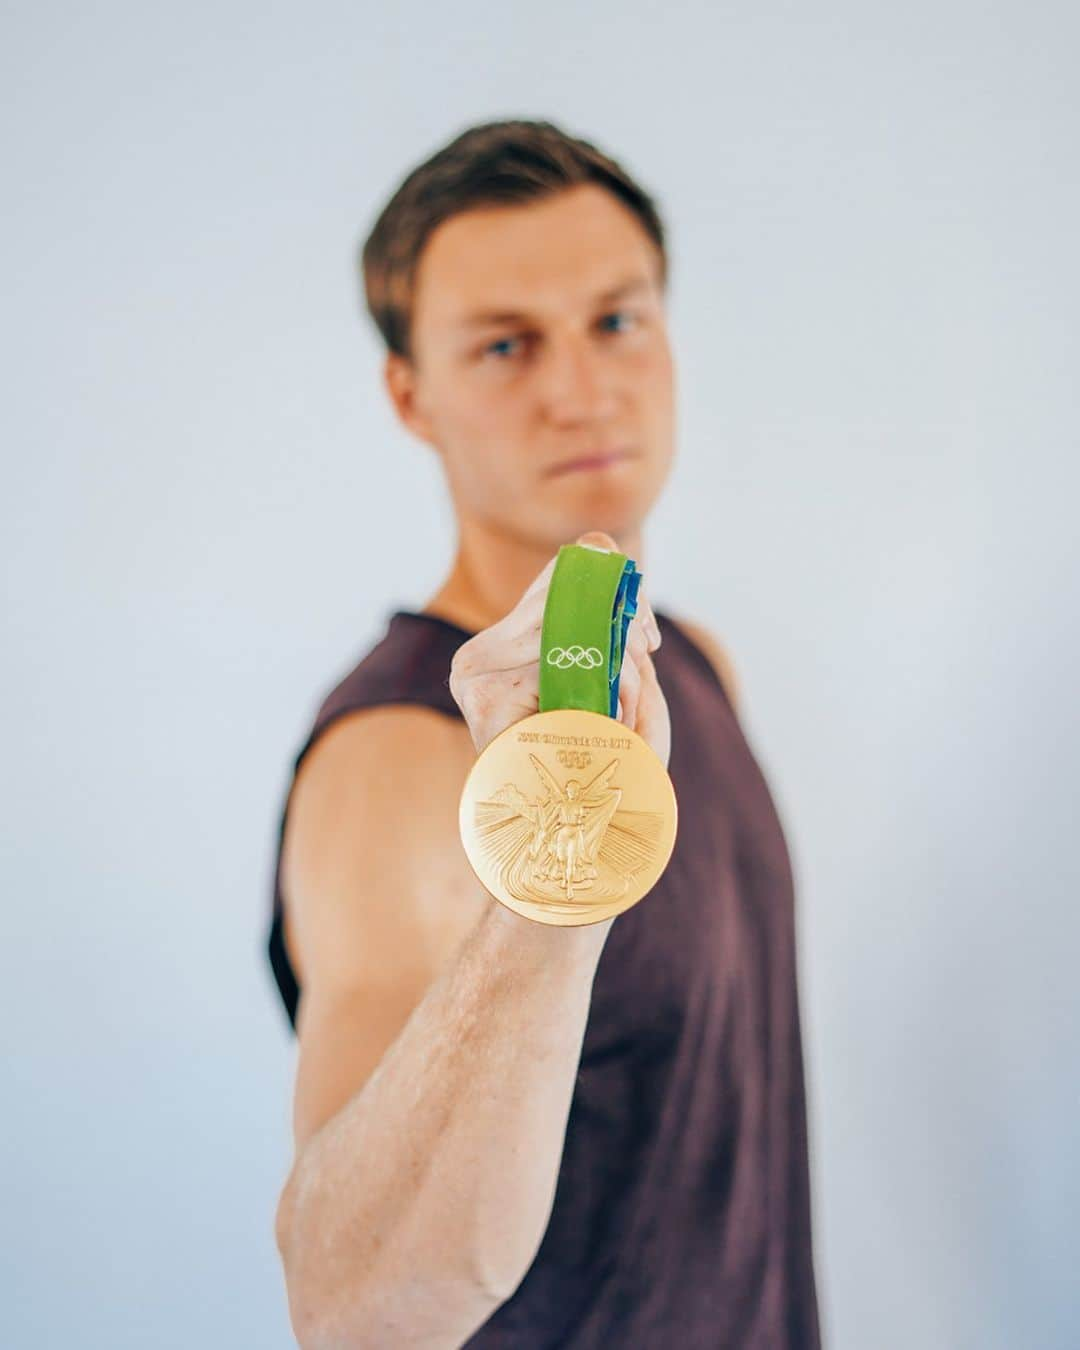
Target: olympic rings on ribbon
[564,657]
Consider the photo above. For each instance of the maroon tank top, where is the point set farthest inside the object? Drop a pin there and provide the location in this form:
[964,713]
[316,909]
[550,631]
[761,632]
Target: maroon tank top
[681,1217]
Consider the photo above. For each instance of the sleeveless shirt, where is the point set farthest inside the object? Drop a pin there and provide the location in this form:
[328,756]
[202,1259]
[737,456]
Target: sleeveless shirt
[681,1218]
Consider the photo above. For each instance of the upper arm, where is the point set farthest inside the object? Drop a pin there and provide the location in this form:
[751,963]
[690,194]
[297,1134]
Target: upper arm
[378,890]
[719,659]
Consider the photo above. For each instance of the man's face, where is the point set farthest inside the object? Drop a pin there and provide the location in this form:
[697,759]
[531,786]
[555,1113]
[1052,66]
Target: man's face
[540,338]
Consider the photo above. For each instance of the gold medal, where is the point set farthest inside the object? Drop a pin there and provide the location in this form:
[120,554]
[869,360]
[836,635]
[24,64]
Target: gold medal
[568,817]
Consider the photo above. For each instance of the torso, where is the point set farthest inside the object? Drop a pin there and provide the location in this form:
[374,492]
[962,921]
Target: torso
[682,1209]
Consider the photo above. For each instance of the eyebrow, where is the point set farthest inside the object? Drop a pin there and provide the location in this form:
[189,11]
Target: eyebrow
[482,318]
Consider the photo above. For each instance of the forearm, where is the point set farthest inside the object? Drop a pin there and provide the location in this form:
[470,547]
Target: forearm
[417,1208]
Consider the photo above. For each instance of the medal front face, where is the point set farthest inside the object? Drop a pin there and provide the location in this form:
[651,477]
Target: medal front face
[568,817]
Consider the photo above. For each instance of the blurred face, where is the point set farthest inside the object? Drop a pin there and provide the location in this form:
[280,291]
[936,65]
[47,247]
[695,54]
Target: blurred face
[542,372]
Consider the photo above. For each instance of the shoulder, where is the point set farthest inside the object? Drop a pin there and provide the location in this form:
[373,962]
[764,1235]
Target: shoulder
[718,656]
[408,735]
[371,820]
[389,760]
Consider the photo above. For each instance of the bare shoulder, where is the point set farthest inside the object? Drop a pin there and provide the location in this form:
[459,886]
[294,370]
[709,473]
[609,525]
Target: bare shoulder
[371,856]
[719,657]
[377,889]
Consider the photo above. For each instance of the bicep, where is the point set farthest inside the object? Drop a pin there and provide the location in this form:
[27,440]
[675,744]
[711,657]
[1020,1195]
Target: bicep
[379,891]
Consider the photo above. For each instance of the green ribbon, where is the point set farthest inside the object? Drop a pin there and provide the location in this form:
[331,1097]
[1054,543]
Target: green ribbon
[590,601]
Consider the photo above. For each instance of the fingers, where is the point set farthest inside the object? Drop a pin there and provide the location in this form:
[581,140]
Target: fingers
[495,675]
[647,619]
[519,628]
[637,650]
[629,693]
[516,637]
[653,716]
[540,581]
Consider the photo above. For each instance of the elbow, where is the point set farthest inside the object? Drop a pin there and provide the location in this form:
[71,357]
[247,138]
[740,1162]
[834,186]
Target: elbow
[434,1300]
[307,1307]
[309,1317]
[422,1317]
[284,1218]
[323,1316]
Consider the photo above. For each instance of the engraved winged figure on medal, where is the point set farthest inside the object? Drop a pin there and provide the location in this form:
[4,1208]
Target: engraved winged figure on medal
[570,846]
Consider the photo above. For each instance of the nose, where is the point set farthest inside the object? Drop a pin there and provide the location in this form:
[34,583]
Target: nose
[579,384]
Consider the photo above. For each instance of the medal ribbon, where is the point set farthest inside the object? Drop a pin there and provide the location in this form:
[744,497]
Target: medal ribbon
[591,599]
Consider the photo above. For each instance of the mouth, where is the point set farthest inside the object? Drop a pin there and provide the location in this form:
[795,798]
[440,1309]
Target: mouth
[590,463]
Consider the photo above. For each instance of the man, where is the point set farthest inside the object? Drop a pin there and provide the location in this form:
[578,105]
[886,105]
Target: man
[509,1134]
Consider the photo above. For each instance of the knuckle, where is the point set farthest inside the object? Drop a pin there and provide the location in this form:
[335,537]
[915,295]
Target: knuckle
[458,672]
[459,681]
[465,657]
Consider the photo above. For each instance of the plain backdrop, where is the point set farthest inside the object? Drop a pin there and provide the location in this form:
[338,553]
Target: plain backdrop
[208,511]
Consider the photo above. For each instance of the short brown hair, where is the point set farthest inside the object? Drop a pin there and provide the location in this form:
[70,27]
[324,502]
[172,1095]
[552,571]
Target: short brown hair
[492,163]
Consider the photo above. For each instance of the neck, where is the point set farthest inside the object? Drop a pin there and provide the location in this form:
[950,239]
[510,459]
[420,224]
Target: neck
[491,571]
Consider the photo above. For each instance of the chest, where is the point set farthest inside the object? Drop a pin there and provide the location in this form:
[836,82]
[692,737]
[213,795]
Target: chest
[714,935]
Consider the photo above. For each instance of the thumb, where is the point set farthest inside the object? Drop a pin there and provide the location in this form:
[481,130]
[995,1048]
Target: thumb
[597,539]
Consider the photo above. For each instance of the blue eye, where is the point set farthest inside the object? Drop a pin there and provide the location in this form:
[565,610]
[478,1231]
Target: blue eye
[618,314]
[501,342]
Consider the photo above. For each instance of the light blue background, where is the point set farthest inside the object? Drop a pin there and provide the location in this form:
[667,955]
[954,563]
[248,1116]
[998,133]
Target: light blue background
[873,214]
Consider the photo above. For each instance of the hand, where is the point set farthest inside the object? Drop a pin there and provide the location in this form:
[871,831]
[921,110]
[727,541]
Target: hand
[495,675]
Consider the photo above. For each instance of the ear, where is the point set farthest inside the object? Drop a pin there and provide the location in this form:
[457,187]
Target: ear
[401,379]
